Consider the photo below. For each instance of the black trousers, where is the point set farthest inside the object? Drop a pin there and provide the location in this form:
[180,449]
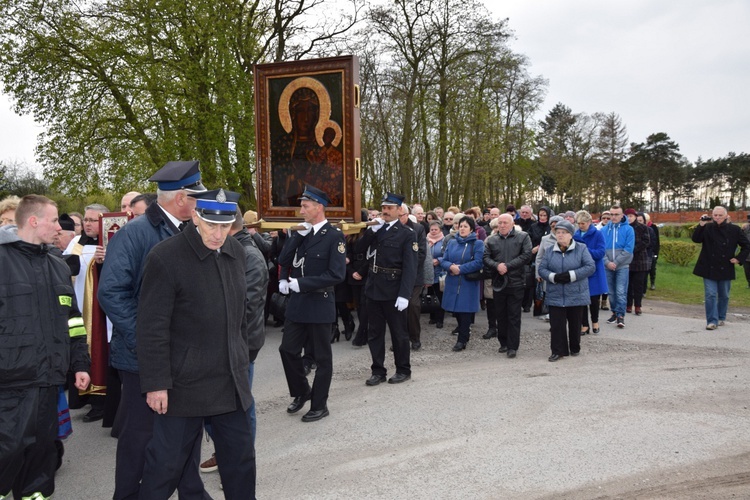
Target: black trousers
[137,421]
[28,429]
[360,338]
[491,313]
[176,439]
[508,314]
[296,336]
[594,308]
[380,313]
[636,285]
[464,326]
[565,325]
[746,266]
[414,312]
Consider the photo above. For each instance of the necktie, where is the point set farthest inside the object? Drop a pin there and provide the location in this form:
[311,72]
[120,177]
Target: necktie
[182,226]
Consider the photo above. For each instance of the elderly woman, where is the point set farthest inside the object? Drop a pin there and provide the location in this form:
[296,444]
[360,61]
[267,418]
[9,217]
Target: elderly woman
[435,239]
[462,256]
[8,208]
[588,234]
[565,268]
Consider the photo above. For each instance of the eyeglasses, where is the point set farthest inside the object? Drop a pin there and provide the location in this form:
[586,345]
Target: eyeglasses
[90,221]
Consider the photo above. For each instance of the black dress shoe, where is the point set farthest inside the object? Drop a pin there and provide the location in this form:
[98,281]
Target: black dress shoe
[315,415]
[575,353]
[526,309]
[398,378]
[308,369]
[460,346]
[415,346]
[335,334]
[439,324]
[375,380]
[491,333]
[502,349]
[298,403]
[511,353]
[554,357]
[93,415]
[455,331]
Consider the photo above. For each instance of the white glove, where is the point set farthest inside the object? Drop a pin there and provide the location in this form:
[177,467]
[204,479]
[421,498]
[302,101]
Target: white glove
[401,303]
[308,228]
[294,285]
[284,287]
[380,222]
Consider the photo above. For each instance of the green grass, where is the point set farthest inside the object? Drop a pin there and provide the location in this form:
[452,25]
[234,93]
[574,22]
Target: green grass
[680,285]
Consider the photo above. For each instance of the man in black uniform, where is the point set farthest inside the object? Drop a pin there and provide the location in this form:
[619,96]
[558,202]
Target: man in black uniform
[392,252]
[312,261]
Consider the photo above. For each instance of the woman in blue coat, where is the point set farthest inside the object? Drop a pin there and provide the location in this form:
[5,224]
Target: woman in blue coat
[566,267]
[462,256]
[588,234]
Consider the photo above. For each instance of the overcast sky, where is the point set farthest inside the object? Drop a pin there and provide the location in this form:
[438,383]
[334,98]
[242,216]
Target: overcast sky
[680,67]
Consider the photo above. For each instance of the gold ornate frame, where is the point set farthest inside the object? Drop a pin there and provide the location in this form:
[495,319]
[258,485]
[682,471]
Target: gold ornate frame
[282,165]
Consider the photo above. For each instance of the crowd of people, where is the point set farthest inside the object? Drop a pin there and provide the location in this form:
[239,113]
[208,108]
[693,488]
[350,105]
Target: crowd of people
[175,307]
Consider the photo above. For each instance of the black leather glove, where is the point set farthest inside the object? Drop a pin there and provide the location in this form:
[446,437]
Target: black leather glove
[562,277]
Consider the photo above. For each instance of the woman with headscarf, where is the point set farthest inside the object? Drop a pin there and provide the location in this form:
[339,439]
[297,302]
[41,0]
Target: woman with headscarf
[588,234]
[565,268]
[435,239]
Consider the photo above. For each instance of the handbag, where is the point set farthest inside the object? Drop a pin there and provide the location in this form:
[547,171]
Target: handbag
[483,274]
[540,305]
[278,305]
[429,303]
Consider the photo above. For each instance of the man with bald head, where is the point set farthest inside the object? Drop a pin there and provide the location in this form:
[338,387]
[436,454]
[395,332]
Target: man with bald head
[126,199]
[719,239]
[508,251]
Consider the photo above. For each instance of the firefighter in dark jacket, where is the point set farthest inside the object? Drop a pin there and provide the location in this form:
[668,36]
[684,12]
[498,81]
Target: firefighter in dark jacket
[41,338]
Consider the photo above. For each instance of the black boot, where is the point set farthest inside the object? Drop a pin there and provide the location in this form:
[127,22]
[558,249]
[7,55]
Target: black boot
[335,333]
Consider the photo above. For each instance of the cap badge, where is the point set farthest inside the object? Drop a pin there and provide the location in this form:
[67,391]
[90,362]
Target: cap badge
[221,197]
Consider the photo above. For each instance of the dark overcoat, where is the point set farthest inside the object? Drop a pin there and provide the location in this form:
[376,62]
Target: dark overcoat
[719,245]
[318,261]
[191,326]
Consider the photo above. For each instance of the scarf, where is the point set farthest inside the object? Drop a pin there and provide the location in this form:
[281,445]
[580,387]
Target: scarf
[432,240]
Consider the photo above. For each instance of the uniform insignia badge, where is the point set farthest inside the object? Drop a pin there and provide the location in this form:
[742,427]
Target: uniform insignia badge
[221,197]
[415,247]
[342,247]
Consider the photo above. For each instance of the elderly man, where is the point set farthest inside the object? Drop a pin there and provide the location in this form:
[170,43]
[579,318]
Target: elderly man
[509,252]
[415,304]
[312,262]
[193,351]
[42,336]
[392,253]
[719,240]
[126,199]
[119,294]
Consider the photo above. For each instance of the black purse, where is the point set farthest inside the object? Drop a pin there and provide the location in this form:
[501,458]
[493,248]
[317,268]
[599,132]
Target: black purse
[430,303]
[277,308]
[483,274]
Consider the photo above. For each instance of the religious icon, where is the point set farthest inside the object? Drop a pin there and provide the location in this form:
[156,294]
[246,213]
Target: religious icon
[308,134]
[110,223]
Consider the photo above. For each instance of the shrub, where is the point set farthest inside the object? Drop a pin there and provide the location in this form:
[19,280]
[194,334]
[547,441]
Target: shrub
[680,253]
[677,230]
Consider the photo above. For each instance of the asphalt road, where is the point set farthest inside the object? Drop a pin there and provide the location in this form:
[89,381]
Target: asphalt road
[660,409]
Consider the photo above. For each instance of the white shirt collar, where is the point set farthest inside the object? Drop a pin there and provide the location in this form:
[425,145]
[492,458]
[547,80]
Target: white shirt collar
[316,227]
[171,217]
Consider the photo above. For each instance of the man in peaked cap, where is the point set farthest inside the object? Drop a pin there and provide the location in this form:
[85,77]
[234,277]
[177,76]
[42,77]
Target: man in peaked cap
[392,253]
[119,293]
[313,261]
[193,353]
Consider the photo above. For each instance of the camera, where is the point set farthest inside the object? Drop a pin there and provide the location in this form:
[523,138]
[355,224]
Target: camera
[705,218]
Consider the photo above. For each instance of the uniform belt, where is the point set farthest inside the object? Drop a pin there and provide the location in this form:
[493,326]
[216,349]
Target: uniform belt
[377,269]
